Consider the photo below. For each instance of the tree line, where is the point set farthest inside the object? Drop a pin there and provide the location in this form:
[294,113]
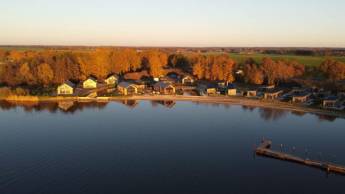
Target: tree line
[52,67]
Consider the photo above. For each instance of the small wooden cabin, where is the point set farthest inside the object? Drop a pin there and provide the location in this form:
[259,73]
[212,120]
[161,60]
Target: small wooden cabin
[126,88]
[66,88]
[330,102]
[165,88]
[273,94]
[301,98]
[112,80]
[232,92]
[251,93]
[90,83]
[211,91]
[187,80]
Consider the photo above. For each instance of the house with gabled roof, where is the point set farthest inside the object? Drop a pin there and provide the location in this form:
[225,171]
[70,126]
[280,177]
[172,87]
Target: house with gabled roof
[67,88]
[273,94]
[301,97]
[90,83]
[187,80]
[165,88]
[127,88]
[330,102]
[112,80]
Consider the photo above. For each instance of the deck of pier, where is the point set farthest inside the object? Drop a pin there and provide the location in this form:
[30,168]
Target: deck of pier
[265,150]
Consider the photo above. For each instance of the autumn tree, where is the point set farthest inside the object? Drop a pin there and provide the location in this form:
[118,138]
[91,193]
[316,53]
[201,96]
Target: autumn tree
[15,55]
[334,70]
[45,74]
[253,74]
[269,68]
[25,75]
[198,70]
[156,61]
[213,67]
[182,62]
[3,54]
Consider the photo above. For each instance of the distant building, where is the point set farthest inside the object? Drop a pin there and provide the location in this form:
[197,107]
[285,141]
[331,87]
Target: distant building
[211,91]
[251,93]
[187,80]
[112,80]
[90,83]
[268,87]
[272,94]
[240,72]
[126,88]
[164,88]
[232,92]
[301,98]
[330,102]
[66,88]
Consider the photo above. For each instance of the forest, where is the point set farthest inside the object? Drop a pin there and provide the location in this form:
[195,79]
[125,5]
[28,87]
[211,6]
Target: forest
[46,68]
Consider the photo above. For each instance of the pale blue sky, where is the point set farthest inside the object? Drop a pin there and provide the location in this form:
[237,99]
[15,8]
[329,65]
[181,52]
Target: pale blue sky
[174,22]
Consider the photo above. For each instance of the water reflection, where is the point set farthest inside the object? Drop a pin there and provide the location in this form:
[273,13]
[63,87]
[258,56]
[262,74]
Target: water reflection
[70,107]
[270,114]
[130,103]
[168,104]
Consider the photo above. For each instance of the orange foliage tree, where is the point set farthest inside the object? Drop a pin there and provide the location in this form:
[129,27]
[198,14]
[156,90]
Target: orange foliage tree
[45,74]
[334,70]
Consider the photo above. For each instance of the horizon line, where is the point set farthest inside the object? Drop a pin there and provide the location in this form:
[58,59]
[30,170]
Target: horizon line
[146,46]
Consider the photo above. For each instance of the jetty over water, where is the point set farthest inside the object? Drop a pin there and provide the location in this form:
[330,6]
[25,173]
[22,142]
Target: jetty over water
[265,150]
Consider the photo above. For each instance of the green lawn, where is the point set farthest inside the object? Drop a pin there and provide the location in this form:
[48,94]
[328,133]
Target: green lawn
[306,60]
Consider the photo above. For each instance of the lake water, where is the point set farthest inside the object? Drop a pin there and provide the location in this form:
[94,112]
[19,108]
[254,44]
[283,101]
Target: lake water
[163,147]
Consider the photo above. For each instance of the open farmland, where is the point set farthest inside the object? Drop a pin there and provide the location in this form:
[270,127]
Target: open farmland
[307,60]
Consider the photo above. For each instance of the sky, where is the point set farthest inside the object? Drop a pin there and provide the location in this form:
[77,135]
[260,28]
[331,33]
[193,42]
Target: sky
[192,23]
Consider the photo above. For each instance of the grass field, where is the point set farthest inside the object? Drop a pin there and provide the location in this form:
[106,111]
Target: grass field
[306,60]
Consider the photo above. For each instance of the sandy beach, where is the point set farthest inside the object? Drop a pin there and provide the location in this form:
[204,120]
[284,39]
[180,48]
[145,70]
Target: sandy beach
[202,99]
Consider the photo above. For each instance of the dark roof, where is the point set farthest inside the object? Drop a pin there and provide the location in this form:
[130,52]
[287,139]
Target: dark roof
[162,84]
[231,86]
[212,85]
[273,91]
[116,76]
[331,98]
[69,83]
[92,78]
[301,94]
[125,84]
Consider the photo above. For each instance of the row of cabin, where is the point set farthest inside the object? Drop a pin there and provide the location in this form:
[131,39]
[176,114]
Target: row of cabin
[67,88]
[127,88]
[184,80]
[300,96]
[91,82]
[212,89]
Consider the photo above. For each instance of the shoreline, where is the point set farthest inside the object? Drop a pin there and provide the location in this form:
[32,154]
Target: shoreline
[203,99]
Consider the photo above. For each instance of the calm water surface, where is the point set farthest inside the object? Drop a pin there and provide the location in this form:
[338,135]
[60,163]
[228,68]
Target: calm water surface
[162,147]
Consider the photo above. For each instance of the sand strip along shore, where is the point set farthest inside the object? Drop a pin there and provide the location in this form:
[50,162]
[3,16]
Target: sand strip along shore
[202,99]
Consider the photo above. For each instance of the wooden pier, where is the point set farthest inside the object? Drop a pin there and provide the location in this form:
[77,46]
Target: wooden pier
[265,150]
